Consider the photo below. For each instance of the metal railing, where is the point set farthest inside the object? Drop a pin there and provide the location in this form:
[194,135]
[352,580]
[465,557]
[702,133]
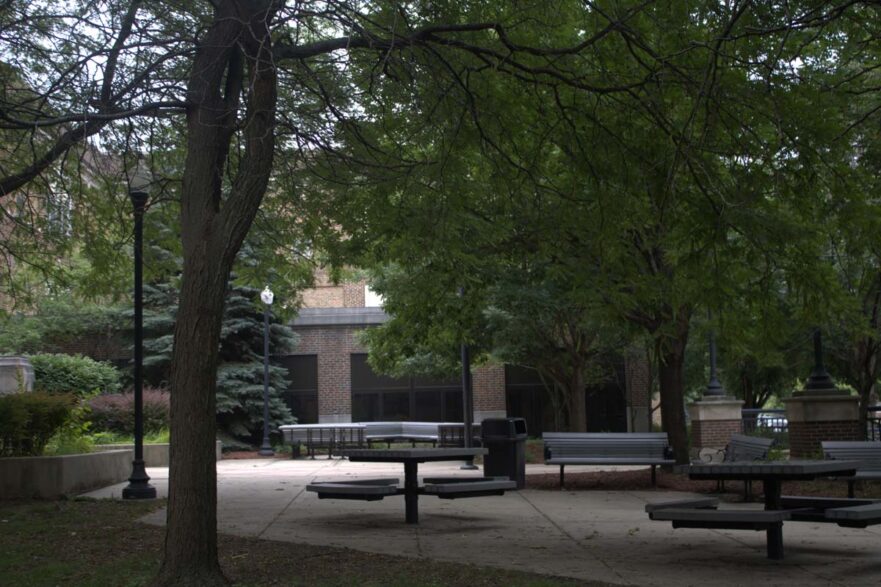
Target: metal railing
[770,423]
[773,423]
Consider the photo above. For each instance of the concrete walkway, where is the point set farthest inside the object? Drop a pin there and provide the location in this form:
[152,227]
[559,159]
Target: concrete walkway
[590,535]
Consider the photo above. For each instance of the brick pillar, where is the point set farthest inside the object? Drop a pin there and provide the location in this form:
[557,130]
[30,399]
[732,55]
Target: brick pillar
[488,384]
[713,421]
[814,417]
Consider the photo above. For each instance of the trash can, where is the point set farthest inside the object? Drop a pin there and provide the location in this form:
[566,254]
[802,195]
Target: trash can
[505,439]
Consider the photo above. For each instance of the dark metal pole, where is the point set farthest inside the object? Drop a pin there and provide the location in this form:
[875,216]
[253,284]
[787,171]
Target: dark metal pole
[467,398]
[139,483]
[714,388]
[820,378]
[266,449]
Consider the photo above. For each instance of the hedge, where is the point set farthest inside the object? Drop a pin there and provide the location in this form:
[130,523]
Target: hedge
[74,374]
[29,420]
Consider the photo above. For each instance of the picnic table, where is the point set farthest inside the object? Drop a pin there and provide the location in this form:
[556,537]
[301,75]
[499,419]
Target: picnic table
[447,488]
[772,474]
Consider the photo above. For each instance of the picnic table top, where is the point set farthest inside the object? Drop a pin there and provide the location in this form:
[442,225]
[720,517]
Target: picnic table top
[400,455]
[795,469]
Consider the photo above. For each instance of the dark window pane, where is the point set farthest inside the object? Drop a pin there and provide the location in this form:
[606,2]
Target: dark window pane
[453,406]
[396,406]
[302,372]
[304,406]
[364,378]
[428,406]
[365,407]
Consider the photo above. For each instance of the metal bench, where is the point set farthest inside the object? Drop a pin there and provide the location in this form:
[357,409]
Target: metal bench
[856,516]
[746,448]
[457,487]
[363,489]
[453,435]
[607,448]
[412,432]
[333,437]
[868,453]
[694,517]
[698,503]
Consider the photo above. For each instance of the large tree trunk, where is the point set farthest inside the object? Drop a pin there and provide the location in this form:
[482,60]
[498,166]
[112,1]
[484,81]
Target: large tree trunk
[577,399]
[671,356]
[212,230]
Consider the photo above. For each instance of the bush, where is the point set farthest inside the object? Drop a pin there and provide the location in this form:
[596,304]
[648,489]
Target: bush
[74,374]
[116,412]
[29,420]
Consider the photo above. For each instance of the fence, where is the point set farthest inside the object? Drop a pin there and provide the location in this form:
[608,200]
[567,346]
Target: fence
[773,423]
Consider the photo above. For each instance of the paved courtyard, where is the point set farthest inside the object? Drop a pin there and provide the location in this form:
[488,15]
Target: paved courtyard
[590,535]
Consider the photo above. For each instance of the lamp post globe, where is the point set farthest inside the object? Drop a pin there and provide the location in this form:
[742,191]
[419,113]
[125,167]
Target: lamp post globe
[267,297]
[139,482]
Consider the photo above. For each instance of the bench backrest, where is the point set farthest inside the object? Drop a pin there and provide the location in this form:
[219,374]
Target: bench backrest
[868,453]
[748,448]
[653,445]
[408,430]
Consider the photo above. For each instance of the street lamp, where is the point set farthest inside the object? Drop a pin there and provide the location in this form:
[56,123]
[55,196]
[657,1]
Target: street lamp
[139,483]
[267,296]
[714,388]
[467,396]
[820,382]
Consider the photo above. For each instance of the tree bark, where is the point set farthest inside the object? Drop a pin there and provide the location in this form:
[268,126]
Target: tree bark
[213,228]
[671,357]
[577,403]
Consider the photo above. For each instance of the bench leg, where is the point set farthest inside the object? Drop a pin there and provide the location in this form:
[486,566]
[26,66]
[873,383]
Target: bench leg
[850,492]
[747,491]
[411,493]
[561,477]
[654,477]
[775,542]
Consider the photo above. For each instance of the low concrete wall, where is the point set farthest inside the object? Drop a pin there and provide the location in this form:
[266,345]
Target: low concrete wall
[155,455]
[53,477]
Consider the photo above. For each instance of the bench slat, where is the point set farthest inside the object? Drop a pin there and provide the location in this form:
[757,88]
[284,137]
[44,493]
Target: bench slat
[699,503]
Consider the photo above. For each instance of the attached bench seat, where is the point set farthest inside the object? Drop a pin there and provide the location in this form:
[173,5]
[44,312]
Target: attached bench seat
[848,513]
[868,453]
[607,448]
[698,503]
[702,513]
[361,489]
[456,487]
[857,516]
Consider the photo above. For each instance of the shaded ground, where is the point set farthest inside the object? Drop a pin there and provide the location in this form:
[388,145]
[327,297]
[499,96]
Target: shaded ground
[98,542]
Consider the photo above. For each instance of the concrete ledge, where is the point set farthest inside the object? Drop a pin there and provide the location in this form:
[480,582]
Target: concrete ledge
[155,455]
[54,477]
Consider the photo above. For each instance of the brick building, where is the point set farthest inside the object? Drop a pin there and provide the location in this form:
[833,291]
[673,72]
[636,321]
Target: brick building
[330,380]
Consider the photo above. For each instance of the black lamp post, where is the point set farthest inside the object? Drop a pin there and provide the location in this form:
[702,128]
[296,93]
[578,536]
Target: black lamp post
[139,483]
[267,296]
[467,397]
[714,388]
[820,380]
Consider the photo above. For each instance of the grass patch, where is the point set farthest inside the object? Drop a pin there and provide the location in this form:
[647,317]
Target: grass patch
[100,542]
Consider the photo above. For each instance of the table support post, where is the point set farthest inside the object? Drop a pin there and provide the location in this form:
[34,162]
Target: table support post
[773,489]
[411,493]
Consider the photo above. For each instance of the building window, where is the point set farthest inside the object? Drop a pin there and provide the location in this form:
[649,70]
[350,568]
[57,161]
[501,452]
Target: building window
[59,208]
[381,398]
[301,396]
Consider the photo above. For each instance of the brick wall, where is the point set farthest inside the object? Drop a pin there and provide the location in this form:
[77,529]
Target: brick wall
[334,347]
[488,383]
[713,433]
[805,437]
[326,294]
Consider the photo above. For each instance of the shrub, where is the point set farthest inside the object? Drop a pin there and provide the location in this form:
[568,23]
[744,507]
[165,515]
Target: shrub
[29,420]
[115,412]
[74,374]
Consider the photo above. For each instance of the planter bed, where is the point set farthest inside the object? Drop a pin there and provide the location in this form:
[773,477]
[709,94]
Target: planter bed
[57,476]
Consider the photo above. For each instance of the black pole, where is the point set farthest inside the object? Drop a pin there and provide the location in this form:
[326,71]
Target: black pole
[467,398]
[820,378]
[714,388]
[266,448]
[139,483]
